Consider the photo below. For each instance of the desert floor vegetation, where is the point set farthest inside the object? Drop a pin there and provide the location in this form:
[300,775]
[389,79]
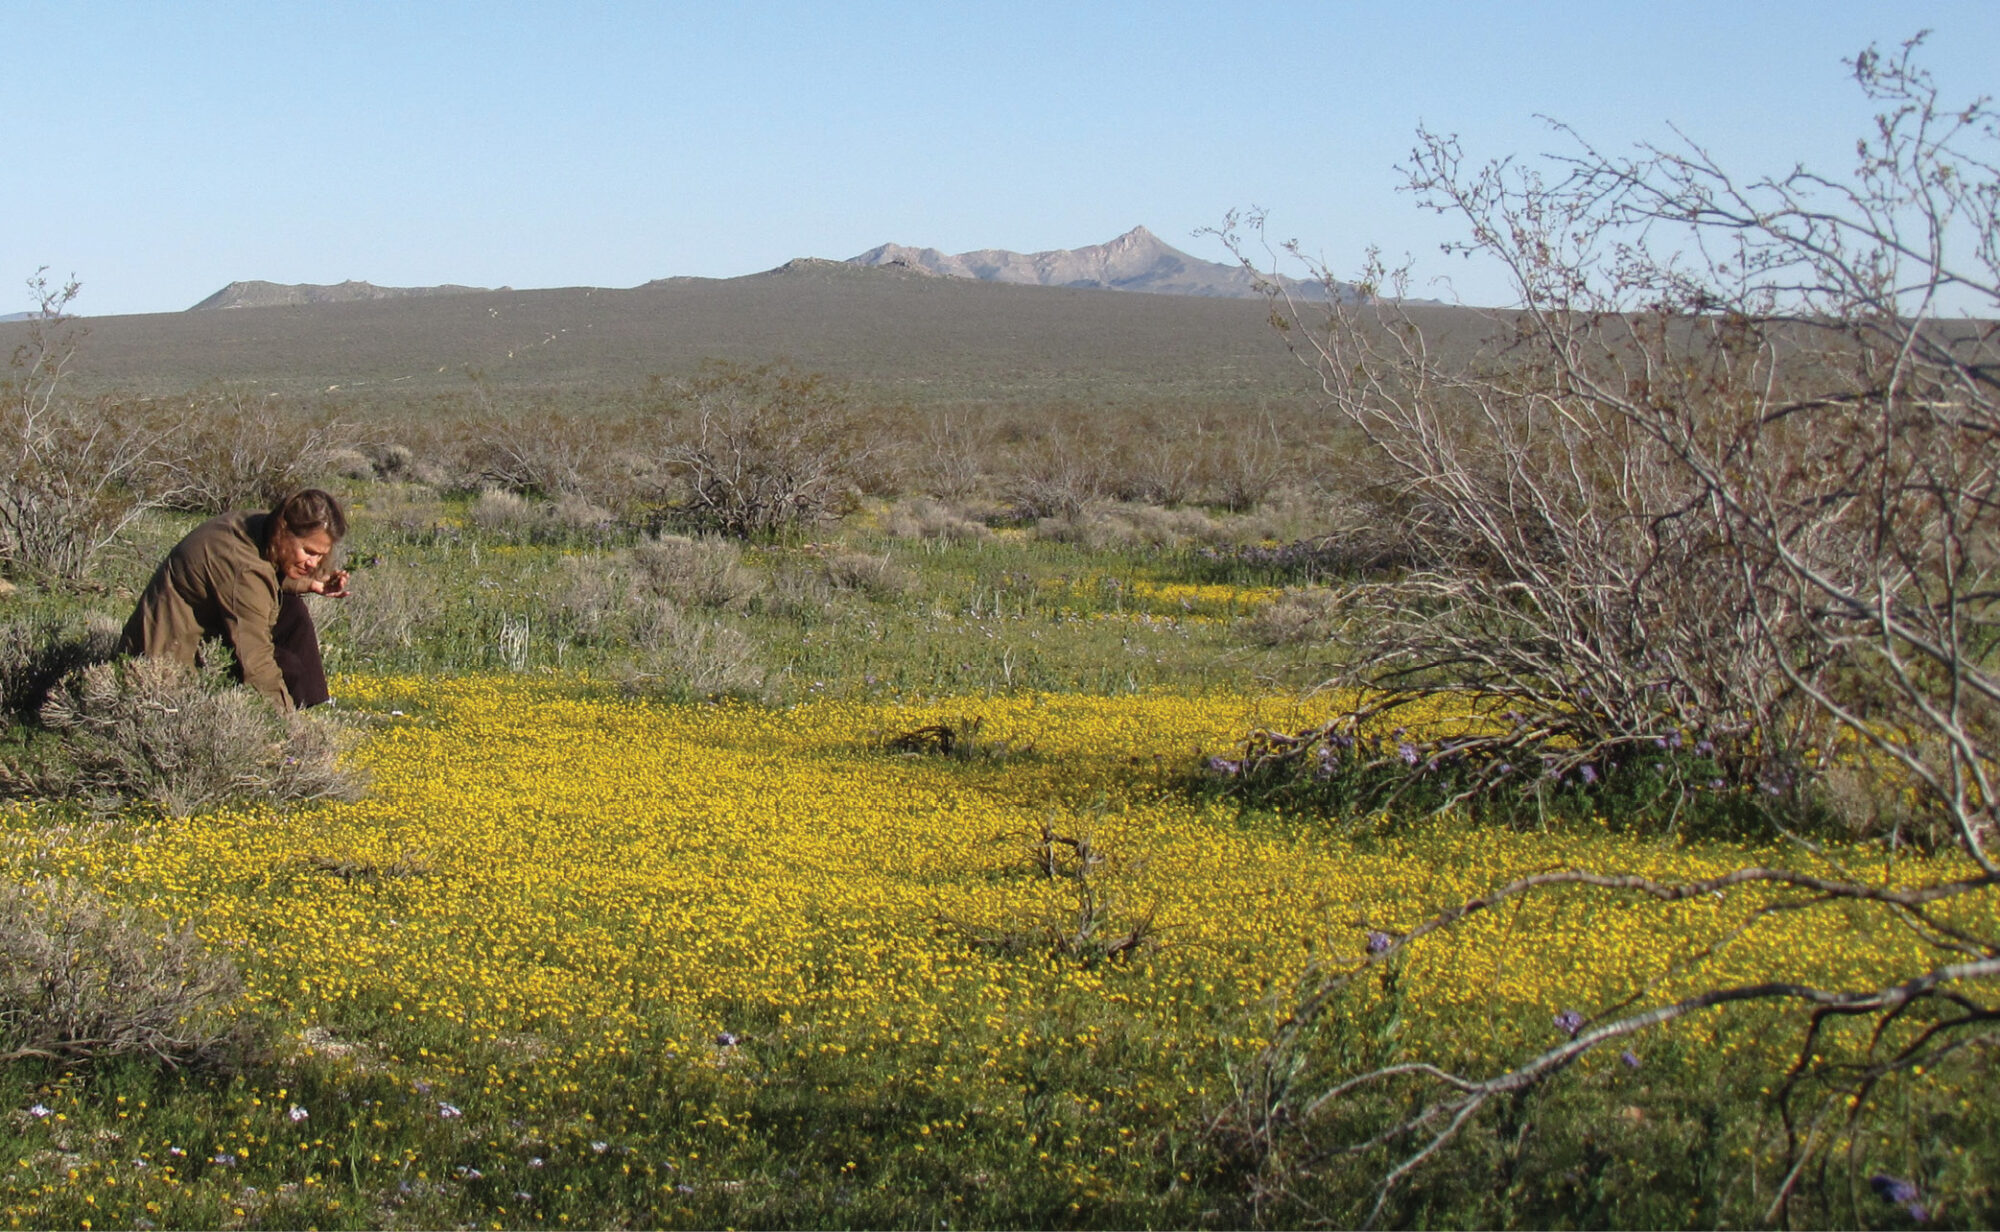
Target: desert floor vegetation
[1549,782]
[947,909]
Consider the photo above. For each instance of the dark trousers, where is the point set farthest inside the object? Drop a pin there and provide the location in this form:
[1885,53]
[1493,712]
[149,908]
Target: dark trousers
[295,645]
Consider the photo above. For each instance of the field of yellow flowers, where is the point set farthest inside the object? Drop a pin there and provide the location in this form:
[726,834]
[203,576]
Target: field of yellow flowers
[582,960]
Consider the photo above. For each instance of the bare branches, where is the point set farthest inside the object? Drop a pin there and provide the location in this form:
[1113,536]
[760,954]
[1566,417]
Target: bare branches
[1728,474]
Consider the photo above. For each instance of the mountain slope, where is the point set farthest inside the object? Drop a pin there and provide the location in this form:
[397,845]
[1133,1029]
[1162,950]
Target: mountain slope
[1136,261]
[273,295]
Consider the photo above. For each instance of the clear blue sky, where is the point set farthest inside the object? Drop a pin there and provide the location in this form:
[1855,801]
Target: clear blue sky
[160,150]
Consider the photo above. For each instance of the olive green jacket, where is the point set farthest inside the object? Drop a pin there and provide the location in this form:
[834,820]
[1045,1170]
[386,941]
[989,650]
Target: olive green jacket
[215,583]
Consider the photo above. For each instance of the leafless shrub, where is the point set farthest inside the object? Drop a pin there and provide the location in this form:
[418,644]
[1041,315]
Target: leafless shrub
[1246,463]
[695,572]
[81,981]
[756,450]
[239,452]
[36,652]
[1163,468]
[1747,489]
[685,656]
[1057,476]
[948,457]
[878,577]
[1090,924]
[183,740]
[78,472]
[545,454]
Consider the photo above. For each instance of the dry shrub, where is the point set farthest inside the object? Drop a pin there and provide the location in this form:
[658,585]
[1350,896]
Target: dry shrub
[590,593]
[37,652]
[391,461]
[232,453]
[386,606]
[81,980]
[1057,476]
[878,577]
[506,514]
[749,451]
[181,739]
[700,572]
[947,459]
[684,656]
[1309,614]
[1162,467]
[350,464]
[545,454]
[1103,527]
[925,518]
[799,591]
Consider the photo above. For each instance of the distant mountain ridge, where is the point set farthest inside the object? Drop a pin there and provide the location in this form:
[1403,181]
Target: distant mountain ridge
[275,295]
[1136,261]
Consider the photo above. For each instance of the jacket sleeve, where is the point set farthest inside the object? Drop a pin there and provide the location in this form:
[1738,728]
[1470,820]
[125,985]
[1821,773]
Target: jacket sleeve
[249,612]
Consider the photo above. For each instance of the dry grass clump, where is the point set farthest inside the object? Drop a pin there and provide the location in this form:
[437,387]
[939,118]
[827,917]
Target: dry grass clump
[37,652]
[1099,527]
[928,518]
[685,656]
[878,577]
[1297,617]
[182,740]
[590,593]
[695,572]
[82,981]
[388,606]
[507,514]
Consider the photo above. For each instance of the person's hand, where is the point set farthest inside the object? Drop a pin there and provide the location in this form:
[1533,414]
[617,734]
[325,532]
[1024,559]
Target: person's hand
[334,587]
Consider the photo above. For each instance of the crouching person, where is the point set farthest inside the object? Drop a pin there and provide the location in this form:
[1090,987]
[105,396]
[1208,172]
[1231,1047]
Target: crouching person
[239,577]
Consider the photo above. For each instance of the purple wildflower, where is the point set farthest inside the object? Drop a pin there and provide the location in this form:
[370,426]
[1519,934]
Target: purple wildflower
[298,1114]
[1408,752]
[1379,942]
[224,1160]
[1225,767]
[1587,772]
[726,1039]
[449,1111]
[1630,1058]
[1705,747]
[1899,1193]
[1569,1022]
